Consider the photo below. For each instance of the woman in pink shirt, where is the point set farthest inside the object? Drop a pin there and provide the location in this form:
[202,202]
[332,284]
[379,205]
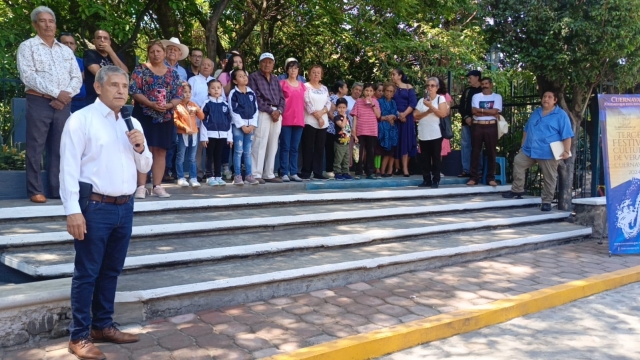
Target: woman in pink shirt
[292,122]
[365,114]
[235,62]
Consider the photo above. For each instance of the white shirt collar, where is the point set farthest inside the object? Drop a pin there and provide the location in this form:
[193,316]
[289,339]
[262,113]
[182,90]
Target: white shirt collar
[55,41]
[104,110]
[207,78]
[217,100]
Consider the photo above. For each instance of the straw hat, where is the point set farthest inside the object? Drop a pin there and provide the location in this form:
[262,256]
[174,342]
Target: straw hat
[175,42]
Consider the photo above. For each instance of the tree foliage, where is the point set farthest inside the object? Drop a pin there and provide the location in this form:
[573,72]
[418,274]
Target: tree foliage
[571,46]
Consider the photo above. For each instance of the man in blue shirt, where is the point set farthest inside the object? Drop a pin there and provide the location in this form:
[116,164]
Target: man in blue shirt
[548,124]
[78,101]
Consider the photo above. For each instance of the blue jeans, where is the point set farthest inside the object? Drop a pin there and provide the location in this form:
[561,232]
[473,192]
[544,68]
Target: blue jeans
[241,147]
[188,153]
[465,150]
[171,152]
[289,143]
[98,263]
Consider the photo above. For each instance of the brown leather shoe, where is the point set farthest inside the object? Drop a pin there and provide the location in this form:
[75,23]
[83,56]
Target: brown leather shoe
[84,349]
[39,198]
[493,183]
[113,335]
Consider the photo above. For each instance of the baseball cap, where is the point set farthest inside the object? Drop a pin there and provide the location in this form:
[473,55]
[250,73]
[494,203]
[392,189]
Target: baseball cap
[267,56]
[474,73]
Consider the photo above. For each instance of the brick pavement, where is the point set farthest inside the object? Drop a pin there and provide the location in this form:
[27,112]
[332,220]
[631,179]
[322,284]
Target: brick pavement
[262,329]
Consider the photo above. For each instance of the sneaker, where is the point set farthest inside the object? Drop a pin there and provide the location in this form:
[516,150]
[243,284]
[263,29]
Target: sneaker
[212,181]
[194,183]
[347,176]
[339,177]
[545,207]
[371,177]
[259,180]
[141,192]
[221,182]
[296,178]
[250,180]
[378,175]
[330,175]
[159,191]
[238,180]
[183,182]
[320,177]
[285,178]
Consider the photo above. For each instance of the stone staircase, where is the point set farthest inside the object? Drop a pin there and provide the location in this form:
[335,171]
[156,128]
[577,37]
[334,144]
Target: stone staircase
[188,255]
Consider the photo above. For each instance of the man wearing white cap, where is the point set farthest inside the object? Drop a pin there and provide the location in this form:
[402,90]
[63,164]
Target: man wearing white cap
[270,109]
[284,75]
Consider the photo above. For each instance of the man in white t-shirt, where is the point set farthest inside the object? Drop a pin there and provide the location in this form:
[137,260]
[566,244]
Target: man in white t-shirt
[485,107]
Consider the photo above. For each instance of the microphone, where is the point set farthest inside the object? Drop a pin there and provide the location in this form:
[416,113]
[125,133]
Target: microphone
[126,116]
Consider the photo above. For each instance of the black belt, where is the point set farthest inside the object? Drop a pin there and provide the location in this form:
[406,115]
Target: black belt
[117,200]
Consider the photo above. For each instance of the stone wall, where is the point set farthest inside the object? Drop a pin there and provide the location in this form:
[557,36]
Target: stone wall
[594,216]
[32,324]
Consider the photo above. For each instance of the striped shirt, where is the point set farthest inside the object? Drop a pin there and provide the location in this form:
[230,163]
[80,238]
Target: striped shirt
[366,120]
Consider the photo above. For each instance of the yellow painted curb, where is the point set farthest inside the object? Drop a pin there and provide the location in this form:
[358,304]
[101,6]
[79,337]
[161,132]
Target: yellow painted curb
[404,336]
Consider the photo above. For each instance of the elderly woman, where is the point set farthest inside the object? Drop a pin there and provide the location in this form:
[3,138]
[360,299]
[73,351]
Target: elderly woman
[317,105]
[356,92]
[405,98]
[292,122]
[427,114]
[156,90]
[547,124]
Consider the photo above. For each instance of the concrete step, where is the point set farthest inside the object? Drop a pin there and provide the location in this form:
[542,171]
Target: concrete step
[14,210]
[291,215]
[163,292]
[57,260]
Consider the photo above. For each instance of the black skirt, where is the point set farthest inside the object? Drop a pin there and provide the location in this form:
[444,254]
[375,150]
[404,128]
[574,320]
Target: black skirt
[158,135]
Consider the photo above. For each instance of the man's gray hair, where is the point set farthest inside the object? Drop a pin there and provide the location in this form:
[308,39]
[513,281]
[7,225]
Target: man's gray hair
[356,84]
[434,79]
[39,10]
[106,71]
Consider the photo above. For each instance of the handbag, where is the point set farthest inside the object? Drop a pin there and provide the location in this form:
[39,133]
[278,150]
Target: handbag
[445,127]
[503,126]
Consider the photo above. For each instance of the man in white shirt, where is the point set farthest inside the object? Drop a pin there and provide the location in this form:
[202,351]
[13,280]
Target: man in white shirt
[51,77]
[98,177]
[486,108]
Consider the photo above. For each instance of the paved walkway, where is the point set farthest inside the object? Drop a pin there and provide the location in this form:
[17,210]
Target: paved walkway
[603,326]
[261,329]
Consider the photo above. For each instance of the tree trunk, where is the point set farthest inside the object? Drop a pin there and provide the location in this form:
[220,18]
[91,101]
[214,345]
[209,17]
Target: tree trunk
[211,31]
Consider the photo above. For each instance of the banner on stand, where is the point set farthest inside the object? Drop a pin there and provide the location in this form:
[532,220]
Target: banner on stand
[620,125]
